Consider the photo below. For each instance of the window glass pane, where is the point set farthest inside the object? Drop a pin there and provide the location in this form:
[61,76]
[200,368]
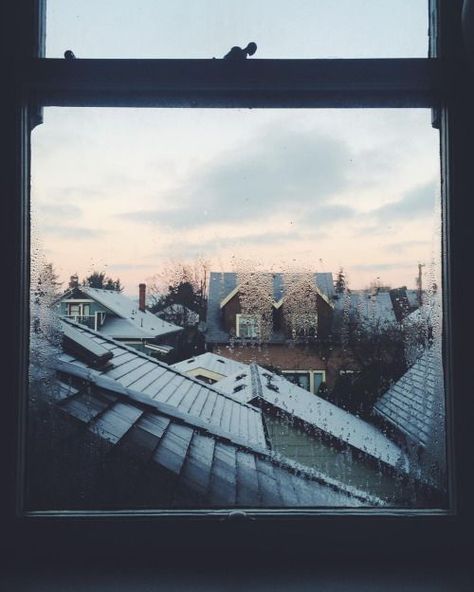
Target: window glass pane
[198,273]
[299,378]
[318,379]
[209,28]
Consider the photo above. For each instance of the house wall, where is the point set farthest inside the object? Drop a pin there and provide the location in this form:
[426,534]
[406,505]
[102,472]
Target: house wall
[314,451]
[229,311]
[290,357]
[93,306]
[234,307]
[325,314]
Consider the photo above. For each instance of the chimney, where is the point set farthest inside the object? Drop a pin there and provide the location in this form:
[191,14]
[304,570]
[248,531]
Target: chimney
[141,297]
[73,281]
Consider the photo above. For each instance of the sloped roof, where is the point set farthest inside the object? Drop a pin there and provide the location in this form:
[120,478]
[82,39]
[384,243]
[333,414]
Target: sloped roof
[126,329]
[221,284]
[180,314]
[145,376]
[184,463]
[413,296]
[178,309]
[258,383]
[371,309]
[415,403]
[132,322]
[213,363]
[423,314]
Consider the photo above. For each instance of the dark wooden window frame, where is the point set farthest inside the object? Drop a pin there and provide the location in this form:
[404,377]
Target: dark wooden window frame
[443,83]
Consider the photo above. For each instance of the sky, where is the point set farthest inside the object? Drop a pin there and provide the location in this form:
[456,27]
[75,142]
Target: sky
[128,191]
[209,28]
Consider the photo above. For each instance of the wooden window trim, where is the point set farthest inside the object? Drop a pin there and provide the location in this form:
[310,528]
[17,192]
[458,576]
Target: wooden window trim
[443,83]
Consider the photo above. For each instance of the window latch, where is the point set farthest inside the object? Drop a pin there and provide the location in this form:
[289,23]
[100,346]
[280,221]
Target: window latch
[238,54]
[238,516]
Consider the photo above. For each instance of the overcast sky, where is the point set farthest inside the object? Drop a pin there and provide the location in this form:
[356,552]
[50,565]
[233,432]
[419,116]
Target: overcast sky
[126,190]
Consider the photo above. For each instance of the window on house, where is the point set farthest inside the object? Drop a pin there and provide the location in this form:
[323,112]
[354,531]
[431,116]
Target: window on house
[247,326]
[205,379]
[275,199]
[318,379]
[300,377]
[303,324]
[309,380]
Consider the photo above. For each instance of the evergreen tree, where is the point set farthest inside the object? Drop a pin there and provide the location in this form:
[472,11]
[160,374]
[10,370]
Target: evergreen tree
[340,284]
[47,284]
[98,279]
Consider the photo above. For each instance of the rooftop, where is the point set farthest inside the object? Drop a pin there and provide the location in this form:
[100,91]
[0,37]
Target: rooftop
[146,376]
[371,309]
[258,383]
[415,403]
[185,458]
[131,321]
[211,362]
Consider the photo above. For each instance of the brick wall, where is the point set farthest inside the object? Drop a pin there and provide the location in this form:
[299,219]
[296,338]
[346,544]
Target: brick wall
[290,357]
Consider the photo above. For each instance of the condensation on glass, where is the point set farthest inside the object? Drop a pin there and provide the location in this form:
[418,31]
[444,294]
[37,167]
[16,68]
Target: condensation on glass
[235,308]
[210,28]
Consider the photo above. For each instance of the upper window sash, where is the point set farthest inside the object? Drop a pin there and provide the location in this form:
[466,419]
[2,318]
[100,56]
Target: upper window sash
[252,83]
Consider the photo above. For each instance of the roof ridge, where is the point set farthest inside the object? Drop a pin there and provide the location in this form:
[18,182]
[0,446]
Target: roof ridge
[256,382]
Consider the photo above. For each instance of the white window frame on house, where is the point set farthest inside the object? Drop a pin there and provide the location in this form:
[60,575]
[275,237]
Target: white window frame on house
[247,320]
[311,374]
[441,83]
[302,323]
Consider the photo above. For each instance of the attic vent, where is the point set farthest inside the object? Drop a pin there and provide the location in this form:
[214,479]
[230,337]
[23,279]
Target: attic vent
[239,388]
[240,376]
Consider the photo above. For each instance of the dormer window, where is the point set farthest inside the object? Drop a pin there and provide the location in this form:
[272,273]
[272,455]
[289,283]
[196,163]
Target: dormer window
[303,324]
[247,326]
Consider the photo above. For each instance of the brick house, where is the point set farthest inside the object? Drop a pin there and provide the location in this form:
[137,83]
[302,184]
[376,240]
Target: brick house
[278,320]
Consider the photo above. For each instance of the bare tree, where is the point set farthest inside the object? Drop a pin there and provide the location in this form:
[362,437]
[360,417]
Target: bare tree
[183,283]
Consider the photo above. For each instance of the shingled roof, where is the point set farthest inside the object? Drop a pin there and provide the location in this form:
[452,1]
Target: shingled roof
[182,458]
[371,310]
[414,405]
[146,376]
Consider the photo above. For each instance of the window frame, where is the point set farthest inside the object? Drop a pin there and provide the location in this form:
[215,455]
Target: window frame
[199,83]
[255,323]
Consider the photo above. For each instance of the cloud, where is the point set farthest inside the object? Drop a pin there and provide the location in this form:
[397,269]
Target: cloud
[81,191]
[269,238]
[404,245]
[417,203]
[63,211]
[190,248]
[129,266]
[380,266]
[322,215]
[71,232]
[279,171]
